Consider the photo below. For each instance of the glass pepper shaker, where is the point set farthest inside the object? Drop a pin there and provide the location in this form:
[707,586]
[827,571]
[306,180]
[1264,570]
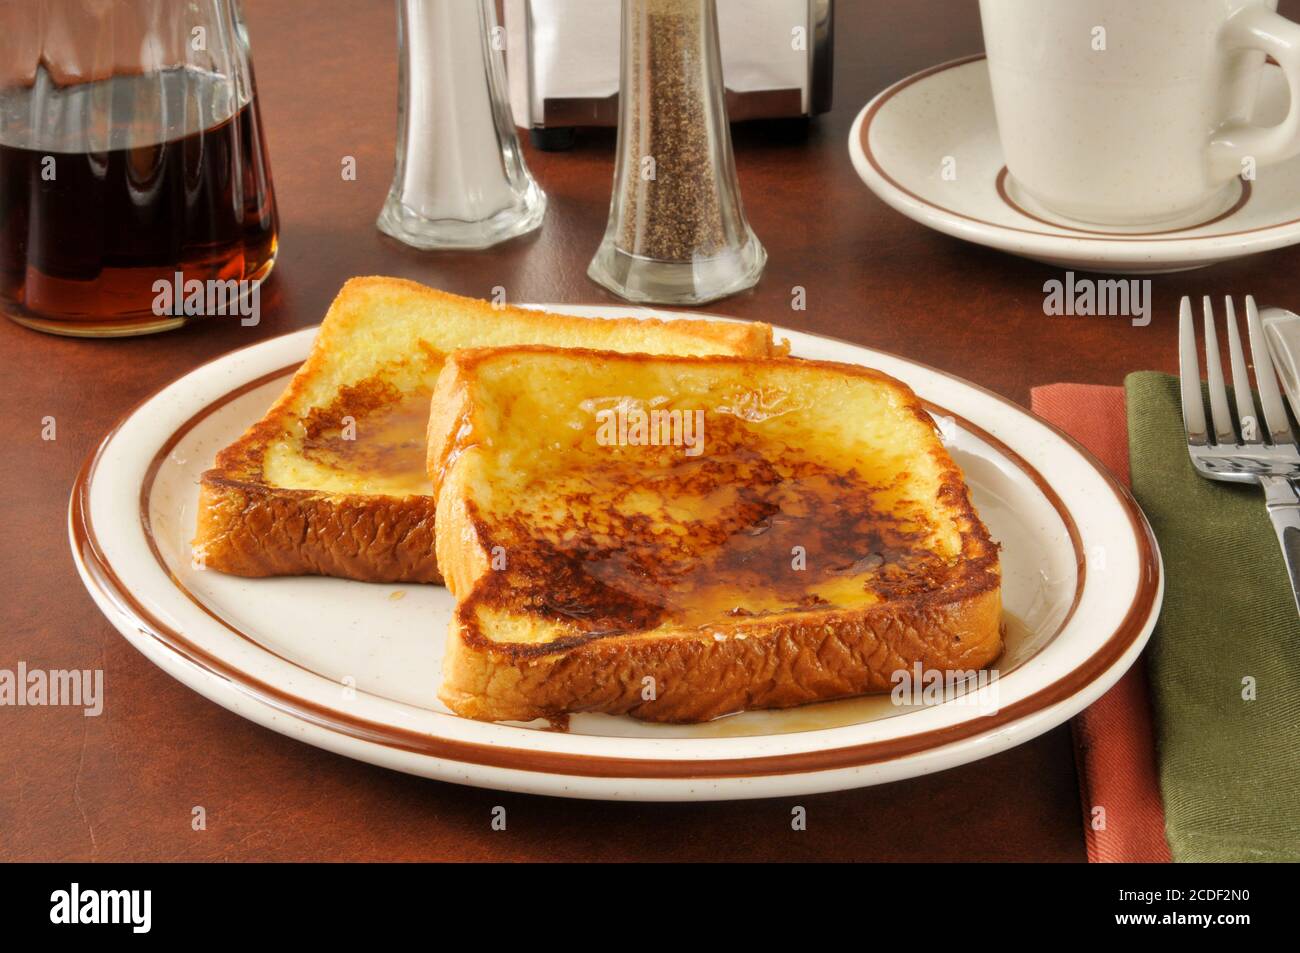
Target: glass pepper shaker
[461,180]
[677,232]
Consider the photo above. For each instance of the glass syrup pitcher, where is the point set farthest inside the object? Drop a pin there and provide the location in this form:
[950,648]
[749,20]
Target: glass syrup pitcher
[131,157]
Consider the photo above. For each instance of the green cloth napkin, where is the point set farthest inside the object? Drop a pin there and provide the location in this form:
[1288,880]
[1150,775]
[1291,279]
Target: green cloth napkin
[1229,766]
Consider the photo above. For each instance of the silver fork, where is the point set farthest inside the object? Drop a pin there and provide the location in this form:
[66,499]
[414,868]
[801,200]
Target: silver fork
[1243,452]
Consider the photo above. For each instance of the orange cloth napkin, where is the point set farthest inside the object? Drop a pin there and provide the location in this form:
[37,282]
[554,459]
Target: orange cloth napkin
[1114,741]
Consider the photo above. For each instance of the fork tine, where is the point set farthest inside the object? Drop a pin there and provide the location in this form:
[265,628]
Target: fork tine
[1247,416]
[1270,398]
[1189,376]
[1223,429]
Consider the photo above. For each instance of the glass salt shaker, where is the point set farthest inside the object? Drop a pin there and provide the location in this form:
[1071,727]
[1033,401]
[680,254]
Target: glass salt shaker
[677,232]
[461,180]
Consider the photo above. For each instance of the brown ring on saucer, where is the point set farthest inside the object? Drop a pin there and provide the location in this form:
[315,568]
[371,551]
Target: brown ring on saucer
[864,136]
[1247,189]
[106,581]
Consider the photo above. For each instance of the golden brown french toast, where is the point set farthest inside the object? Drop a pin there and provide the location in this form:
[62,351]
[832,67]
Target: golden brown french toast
[680,538]
[332,480]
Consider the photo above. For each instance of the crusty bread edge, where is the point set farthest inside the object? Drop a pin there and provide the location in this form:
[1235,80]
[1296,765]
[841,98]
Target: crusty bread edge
[789,660]
[247,529]
[696,675]
[240,516]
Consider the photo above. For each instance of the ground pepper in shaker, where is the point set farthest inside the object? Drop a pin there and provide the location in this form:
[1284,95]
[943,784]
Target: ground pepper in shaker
[677,232]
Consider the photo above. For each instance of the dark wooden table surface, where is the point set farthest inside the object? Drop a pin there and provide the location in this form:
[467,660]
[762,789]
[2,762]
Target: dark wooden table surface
[123,785]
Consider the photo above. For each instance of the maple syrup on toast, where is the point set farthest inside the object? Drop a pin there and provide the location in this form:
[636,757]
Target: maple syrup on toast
[638,538]
[383,437]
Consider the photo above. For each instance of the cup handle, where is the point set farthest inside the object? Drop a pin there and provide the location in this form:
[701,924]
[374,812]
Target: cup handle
[1259,28]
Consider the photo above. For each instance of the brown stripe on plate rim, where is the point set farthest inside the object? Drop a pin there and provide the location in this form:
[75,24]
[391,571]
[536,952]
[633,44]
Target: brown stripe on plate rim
[109,583]
[164,452]
[864,136]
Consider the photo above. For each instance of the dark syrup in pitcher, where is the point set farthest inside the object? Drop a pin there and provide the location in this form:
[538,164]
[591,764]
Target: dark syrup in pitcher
[108,187]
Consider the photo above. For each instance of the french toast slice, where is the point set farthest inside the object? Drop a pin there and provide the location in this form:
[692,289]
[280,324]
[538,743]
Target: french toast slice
[682,538]
[331,481]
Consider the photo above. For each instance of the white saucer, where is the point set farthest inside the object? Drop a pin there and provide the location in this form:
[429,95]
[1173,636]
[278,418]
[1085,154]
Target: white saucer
[901,139]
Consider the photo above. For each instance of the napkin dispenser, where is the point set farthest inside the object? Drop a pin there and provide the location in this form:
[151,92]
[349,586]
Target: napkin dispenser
[562,61]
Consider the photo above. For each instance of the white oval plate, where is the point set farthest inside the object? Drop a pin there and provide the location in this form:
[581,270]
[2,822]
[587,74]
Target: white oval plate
[353,667]
[900,141]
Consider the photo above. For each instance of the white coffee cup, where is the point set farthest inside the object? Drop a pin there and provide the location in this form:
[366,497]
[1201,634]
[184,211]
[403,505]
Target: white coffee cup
[1132,112]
